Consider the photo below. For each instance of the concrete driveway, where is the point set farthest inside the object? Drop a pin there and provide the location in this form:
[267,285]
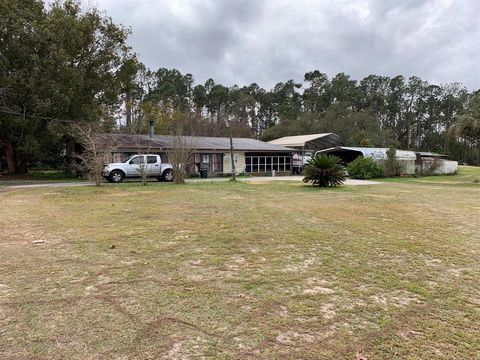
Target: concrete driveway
[12,185]
[300,178]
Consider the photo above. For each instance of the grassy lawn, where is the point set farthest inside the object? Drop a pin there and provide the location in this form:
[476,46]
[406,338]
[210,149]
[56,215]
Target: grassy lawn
[36,177]
[466,176]
[234,270]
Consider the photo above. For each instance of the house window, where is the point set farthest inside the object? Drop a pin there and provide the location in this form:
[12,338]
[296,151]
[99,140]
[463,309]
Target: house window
[254,163]
[263,164]
[217,163]
[248,164]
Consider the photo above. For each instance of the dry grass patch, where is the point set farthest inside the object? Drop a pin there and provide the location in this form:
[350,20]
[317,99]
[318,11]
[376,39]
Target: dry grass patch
[233,270]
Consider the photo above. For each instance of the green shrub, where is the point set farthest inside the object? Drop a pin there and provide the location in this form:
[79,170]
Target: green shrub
[364,168]
[392,166]
[324,171]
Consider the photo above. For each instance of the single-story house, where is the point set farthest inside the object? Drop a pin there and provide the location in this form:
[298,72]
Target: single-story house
[211,153]
[411,161]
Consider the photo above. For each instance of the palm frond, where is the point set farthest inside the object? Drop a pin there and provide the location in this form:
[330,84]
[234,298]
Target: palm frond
[324,170]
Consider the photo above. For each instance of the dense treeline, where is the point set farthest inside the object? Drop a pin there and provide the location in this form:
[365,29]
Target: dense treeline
[376,111]
[57,62]
[60,65]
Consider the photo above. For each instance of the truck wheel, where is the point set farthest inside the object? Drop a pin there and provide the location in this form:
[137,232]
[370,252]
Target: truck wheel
[167,175]
[116,176]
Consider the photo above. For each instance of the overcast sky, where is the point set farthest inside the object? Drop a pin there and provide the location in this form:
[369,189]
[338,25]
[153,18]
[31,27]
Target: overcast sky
[245,41]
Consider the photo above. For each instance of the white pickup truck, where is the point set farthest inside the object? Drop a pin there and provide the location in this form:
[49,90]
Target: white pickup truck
[136,166]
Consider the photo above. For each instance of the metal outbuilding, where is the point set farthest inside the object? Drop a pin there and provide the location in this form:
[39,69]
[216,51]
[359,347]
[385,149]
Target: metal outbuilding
[420,162]
[375,153]
[433,163]
[310,142]
[348,154]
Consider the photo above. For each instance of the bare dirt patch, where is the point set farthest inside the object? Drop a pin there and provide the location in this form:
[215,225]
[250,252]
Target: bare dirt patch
[237,271]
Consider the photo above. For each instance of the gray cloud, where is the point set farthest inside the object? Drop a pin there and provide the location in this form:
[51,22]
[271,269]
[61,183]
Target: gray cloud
[275,40]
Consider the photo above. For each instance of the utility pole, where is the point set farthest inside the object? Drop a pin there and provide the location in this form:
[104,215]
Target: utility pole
[232,157]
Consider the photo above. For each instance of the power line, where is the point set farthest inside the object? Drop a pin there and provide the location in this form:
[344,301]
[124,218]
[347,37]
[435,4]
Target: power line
[34,116]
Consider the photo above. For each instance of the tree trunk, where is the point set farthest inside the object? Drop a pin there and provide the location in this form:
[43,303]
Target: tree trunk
[21,164]
[478,153]
[10,156]
[70,157]
[128,108]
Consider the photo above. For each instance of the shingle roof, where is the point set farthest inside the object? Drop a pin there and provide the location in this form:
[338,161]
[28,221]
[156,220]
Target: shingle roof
[200,143]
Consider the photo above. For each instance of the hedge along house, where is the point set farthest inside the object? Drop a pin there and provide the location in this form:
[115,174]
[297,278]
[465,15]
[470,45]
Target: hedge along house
[211,153]
[348,154]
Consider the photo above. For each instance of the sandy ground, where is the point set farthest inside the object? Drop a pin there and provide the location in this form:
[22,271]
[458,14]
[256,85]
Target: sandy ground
[222,270]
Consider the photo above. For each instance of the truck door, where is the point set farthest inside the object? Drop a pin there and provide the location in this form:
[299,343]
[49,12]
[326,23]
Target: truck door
[134,165]
[153,165]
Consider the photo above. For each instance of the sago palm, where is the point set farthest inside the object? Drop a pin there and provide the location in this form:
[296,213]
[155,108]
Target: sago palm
[324,170]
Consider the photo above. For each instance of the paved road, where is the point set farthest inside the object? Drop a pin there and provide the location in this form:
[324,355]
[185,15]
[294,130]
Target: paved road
[11,185]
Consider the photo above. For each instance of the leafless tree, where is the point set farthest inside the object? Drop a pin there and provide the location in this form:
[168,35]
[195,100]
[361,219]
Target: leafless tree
[143,146]
[96,151]
[182,147]
[142,166]
[181,151]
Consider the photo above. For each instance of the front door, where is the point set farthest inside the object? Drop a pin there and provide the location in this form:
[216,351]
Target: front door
[212,162]
[205,163]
